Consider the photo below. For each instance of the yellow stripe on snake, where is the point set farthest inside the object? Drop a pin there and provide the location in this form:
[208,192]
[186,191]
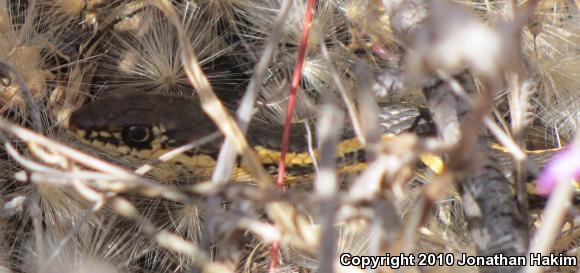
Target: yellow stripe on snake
[145,126]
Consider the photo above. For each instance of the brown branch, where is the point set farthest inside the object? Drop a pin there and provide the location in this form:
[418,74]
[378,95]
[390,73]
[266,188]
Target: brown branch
[495,222]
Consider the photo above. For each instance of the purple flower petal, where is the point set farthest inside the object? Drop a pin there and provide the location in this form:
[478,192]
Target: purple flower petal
[563,167]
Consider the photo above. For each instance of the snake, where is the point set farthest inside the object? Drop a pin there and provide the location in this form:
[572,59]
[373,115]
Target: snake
[145,126]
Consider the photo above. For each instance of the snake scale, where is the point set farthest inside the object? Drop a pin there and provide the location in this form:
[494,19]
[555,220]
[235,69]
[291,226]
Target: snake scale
[145,126]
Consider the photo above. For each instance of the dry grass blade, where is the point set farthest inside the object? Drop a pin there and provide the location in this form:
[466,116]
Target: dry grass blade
[344,92]
[369,117]
[553,218]
[426,170]
[130,181]
[175,152]
[327,185]
[519,107]
[226,156]
[8,72]
[281,212]
[244,112]
[209,101]
[162,237]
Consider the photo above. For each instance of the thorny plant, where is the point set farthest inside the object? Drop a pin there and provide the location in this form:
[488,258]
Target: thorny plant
[60,204]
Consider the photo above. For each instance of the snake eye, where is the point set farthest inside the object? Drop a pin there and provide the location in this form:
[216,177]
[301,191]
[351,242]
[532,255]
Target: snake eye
[137,134]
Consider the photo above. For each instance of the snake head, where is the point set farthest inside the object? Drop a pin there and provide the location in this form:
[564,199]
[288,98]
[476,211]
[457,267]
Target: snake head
[132,123]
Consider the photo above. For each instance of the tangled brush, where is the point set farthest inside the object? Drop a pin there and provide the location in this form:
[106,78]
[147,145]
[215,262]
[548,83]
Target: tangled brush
[497,82]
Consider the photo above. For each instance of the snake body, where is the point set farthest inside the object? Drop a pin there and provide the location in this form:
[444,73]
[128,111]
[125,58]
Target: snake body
[145,126]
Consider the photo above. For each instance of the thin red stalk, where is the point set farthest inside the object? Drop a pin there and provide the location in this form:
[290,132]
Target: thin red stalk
[275,254]
[293,89]
[307,23]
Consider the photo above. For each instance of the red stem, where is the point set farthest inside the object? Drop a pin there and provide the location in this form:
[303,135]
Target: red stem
[288,120]
[275,254]
[293,89]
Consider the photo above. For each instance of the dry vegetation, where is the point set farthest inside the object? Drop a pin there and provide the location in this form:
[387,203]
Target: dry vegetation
[488,71]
